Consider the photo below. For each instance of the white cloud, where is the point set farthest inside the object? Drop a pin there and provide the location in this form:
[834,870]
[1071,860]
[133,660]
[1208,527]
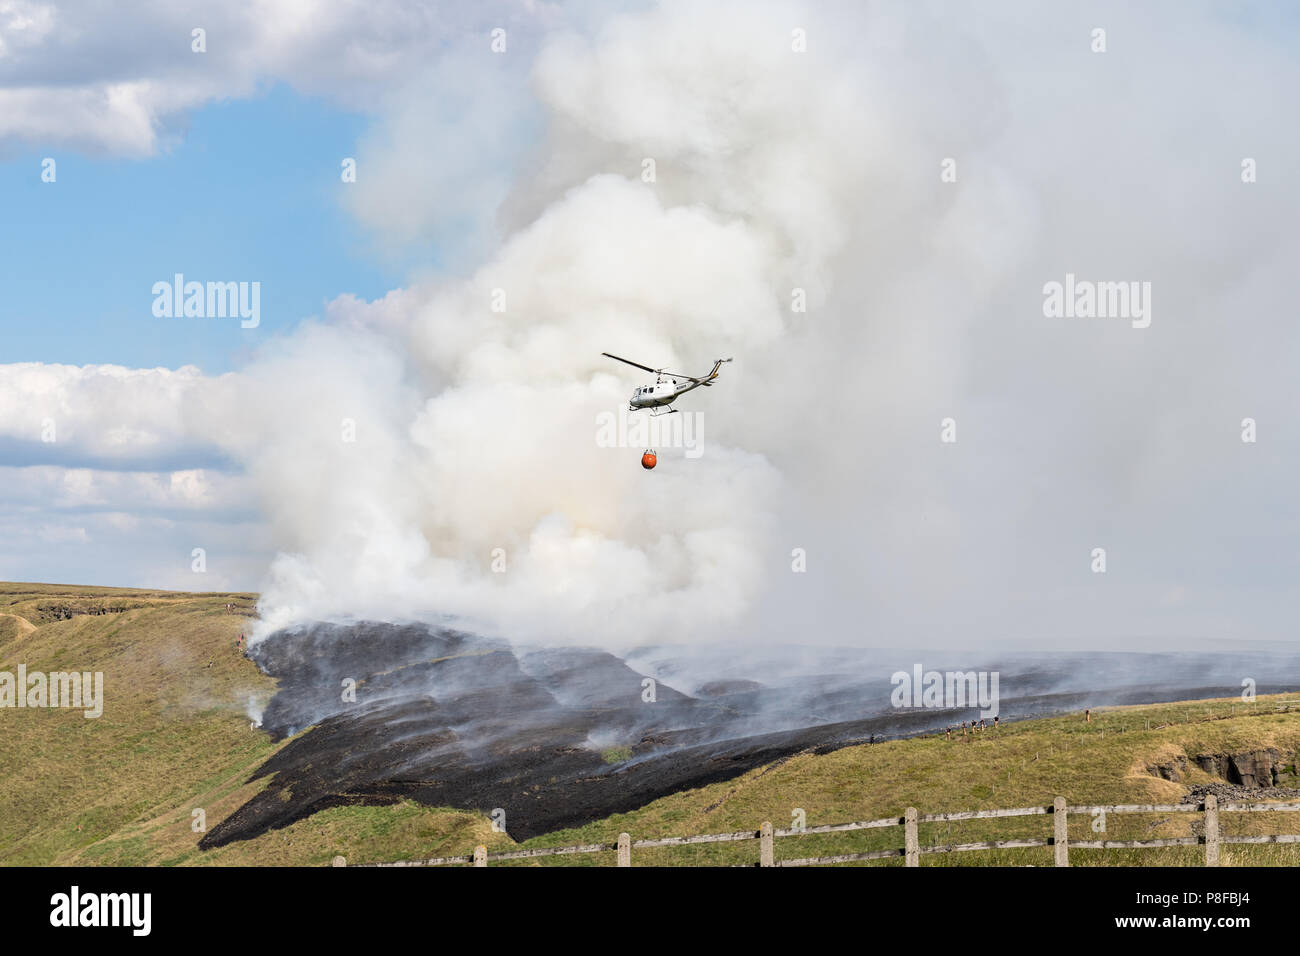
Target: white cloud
[120,78]
[54,488]
[24,24]
[104,415]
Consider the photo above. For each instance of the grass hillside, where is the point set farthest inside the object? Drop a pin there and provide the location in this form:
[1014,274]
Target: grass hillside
[175,738]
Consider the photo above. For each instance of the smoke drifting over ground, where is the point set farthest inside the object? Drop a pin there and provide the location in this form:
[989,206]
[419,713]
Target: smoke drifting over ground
[561,736]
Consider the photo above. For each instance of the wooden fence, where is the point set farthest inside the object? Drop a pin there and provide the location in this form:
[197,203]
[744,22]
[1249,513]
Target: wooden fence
[911,850]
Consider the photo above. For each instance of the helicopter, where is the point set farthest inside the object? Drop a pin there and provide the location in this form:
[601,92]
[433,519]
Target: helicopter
[657,397]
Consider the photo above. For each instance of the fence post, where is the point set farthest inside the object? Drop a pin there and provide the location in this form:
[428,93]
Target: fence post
[480,855]
[624,850]
[911,845]
[765,855]
[1061,832]
[339,861]
[1211,830]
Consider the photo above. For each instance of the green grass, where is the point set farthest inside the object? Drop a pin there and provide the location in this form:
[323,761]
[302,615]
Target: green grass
[175,738]
[1022,764]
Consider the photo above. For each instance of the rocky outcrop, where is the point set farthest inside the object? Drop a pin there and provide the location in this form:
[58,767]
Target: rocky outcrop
[1250,768]
[1170,770]
[67,611]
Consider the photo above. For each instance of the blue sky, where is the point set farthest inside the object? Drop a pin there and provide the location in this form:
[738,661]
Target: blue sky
[250,191]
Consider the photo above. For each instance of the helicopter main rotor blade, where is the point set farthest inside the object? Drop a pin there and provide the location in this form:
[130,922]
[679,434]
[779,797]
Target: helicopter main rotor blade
[653,371]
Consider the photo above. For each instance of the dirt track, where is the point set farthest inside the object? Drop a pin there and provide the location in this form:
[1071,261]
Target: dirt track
[24,626]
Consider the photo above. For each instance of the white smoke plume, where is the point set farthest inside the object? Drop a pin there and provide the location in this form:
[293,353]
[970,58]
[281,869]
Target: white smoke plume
[777,170]
[774,171]
[475,429]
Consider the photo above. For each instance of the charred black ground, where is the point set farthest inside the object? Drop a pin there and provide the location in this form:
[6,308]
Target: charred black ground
[562,737]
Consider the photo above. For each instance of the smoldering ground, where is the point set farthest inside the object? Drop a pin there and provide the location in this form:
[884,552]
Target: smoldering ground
[559,737]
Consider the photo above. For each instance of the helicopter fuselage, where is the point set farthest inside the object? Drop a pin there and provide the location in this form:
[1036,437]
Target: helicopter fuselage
[667,386]
[659,394]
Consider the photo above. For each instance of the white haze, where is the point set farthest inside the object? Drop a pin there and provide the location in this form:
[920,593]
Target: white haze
[475,430]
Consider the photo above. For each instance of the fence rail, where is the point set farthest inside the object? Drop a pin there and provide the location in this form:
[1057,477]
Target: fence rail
[911,849]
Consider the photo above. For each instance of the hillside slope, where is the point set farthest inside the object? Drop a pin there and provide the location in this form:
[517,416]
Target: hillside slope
[175,738]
